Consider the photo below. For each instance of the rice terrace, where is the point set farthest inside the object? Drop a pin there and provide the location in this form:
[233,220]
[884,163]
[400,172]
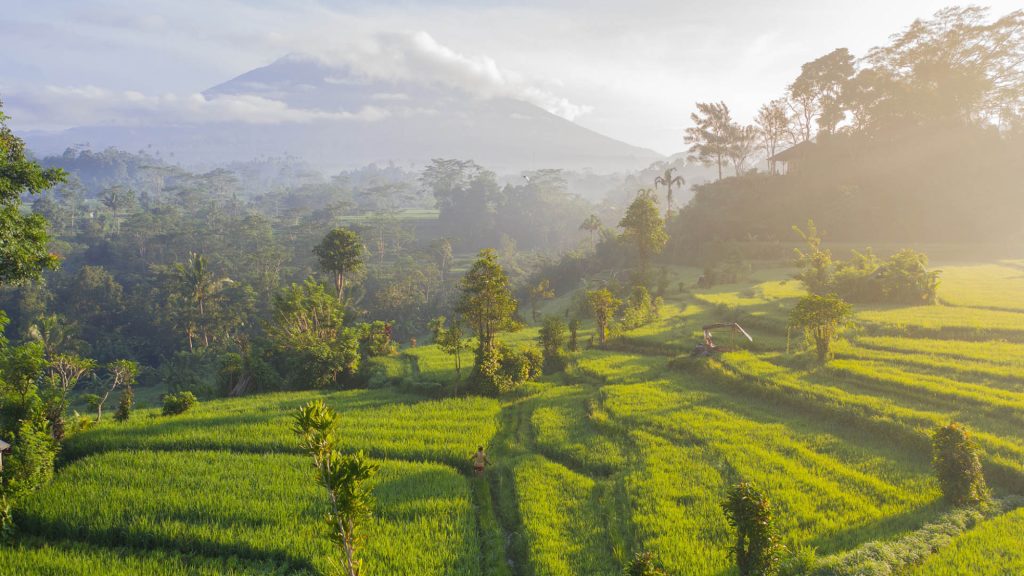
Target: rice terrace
[288,326]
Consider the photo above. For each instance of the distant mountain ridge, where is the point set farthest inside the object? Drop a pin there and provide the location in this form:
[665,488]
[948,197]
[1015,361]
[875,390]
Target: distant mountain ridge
[356,121]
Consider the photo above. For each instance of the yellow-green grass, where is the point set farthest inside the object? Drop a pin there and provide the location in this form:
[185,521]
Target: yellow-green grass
[565,523]
[995,353]
[909,422]
[31,556]
[997,286]
[265,508]
[992,548]
[1005,375]
[822,497]
[382,422]
[565,424]
[945,321]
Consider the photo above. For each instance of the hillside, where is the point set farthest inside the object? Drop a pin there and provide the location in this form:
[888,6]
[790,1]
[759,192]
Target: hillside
[629,450]
[345,120]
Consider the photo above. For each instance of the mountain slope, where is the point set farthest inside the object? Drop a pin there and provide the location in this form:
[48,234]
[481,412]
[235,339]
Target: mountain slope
[339,119]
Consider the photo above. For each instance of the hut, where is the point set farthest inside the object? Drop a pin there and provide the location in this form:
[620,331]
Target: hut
[4,447]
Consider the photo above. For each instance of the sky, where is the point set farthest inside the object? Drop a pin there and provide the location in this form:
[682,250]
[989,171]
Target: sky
[631,70]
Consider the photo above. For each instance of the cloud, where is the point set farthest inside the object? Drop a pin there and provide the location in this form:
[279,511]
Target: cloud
[419,58]
[61,106]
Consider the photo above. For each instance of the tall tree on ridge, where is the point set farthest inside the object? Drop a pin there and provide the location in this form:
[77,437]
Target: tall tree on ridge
[709,136]
[773,126]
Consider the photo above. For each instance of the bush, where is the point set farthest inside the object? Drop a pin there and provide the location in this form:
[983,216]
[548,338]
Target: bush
[194,372]
[179,403]
[500,369]
[640,309]
[757,548]
[956,463]
[552,342]
[643,564]
[30,463]
[902,279]
[124,407]
[376,339]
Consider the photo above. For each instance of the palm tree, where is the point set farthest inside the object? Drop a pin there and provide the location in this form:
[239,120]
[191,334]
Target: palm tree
[593,225]
[198,285]
[667,180]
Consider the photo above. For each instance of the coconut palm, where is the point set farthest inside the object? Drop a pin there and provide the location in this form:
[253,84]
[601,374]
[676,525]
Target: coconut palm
[197,283]
[669,180]
[593,225]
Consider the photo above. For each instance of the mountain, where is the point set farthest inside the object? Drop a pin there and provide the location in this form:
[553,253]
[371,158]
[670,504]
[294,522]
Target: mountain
[333,119]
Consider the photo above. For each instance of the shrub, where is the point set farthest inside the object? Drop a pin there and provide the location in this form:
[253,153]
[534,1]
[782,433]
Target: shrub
[124,407]
[552,342]
[179,403]
[749,512]
[820,317]
[643,564]
[640,309]
[956,463]
[376,339]
[501,369]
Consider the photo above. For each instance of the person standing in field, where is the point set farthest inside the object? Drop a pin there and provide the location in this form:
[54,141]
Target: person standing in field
[479,460]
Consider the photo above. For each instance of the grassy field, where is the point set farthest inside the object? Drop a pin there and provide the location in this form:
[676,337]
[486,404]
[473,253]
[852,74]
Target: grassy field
[631,449]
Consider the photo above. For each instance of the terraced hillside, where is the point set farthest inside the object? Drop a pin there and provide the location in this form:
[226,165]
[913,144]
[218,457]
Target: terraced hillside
[633,448]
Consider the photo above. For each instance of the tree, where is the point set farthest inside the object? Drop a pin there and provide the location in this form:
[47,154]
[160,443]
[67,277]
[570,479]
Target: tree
[307,324]
[603,305]
[339,252]
[593,225]
[23,237]
[742,145]
[773,127]
[749,513]
[709,137]
[815,264]
[819,89]
[956,463]
[820,317]
[124,407]
[65,372]
[668,180]
[552,343]
[486,301]
[118,200]
[450,340]
[642,225]
[542,291]
[344,476]
[122,374]
[197,284]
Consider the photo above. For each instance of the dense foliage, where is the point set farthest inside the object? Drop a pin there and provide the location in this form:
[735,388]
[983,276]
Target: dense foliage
[749,513]
[956,462]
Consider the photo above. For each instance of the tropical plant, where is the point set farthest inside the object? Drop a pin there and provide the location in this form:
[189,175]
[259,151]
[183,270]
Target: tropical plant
[23,237]
[749,512]
[643,226]
[820,317]
[340,252]
[603,305]
[179,403]
[955,458]
[344,476]
[669,181]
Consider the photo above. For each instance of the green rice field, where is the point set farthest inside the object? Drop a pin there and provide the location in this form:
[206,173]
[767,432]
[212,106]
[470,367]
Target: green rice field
[632,448]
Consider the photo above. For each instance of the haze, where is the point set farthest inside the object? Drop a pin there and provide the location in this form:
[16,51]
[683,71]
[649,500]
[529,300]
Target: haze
[631,71]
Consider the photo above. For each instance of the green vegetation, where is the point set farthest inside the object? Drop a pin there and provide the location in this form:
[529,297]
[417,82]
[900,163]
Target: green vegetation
[612,449]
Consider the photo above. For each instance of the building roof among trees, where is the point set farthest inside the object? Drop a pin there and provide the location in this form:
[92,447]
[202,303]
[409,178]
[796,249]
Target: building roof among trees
[793,152]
